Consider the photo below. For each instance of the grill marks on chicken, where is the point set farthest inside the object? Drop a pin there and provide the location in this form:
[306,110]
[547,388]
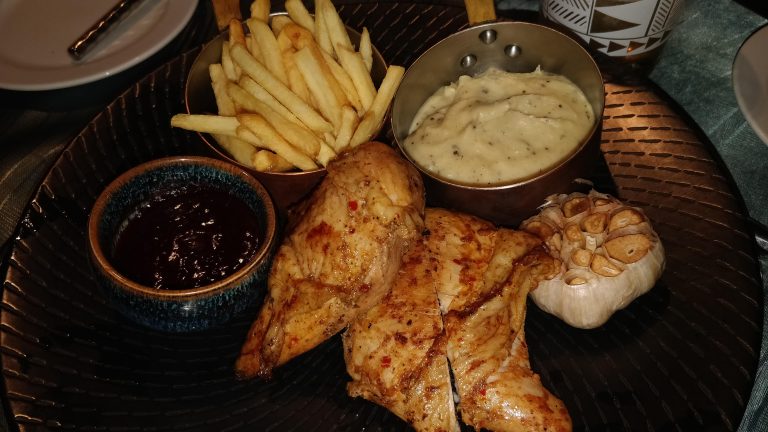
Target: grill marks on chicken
[482,276]
[339,257]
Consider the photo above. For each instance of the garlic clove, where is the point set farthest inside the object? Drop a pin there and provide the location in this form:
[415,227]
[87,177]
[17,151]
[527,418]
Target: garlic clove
[575,205]
[595,223]
[581,257]
[629,248]
[603,266]
[573,234]
[599,202]
[625,217]
[577,281]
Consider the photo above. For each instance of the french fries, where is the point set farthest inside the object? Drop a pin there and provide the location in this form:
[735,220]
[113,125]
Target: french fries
[268,137]
[293,92]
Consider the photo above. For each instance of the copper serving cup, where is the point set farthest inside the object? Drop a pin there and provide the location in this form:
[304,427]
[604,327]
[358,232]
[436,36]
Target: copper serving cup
[514,47]
[286,188]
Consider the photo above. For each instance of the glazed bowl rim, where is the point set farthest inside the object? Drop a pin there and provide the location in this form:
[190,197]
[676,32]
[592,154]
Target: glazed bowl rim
[128,285]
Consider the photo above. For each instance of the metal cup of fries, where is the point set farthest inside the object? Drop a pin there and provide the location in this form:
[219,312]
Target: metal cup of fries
[283,94]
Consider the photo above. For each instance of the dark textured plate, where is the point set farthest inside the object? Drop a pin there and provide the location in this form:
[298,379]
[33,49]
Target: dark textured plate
[682,357]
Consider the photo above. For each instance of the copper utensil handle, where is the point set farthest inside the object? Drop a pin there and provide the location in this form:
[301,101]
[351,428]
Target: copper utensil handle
[480,11]
[89,38]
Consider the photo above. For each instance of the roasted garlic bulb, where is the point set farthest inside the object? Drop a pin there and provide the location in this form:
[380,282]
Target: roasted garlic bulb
[610,255]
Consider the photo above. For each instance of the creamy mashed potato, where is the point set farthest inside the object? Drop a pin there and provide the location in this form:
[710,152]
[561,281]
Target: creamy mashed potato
[499,127]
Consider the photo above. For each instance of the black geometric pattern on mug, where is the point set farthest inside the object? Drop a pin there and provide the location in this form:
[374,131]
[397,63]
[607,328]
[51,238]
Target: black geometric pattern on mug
[605,16]
[574,12]
[603,21]
[666,10]
[614,47]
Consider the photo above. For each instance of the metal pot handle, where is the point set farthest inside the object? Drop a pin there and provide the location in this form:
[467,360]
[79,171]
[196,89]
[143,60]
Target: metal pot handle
[480,11]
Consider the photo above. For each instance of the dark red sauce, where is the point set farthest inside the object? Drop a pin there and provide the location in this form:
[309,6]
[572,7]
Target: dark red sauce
[186,236]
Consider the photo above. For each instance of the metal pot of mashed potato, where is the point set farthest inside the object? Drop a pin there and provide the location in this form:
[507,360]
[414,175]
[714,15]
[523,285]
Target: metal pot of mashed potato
[499,116]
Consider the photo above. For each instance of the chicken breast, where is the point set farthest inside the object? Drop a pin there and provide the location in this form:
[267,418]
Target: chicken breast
[339,257]
[484,276]
[396,353]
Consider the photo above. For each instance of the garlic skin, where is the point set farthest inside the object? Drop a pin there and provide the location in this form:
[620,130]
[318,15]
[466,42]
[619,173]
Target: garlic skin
[609,253]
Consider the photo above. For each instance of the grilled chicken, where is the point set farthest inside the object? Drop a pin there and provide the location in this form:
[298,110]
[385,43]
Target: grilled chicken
[395,353]
[484,276]
[339,257]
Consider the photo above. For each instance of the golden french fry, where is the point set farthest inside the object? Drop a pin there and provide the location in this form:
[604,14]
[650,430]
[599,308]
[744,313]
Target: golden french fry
[298,35]
[329,138]
[295,134]
[295,80]
[270,51]
[300,15]
[337,31]
[318,78]
[322,36]
[344,81]
[269,161]
[236,33]
[349,121]
[325,155]
[226,10]
[366,48]
[219,82]
[212,124]
[270,139]
[254,49]
[260,93]
[374,117]
[328,75]
[284,42]
[278,22]
[249,43]
[260,10]
[230,69]
[387,89]
[240,150]
[366,129]
[353,63]
[311,118]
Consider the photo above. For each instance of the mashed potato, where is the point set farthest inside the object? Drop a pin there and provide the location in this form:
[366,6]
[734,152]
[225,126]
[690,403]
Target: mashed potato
[499,127]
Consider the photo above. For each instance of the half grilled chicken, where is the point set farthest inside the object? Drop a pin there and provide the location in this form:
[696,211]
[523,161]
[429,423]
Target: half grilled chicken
[396,353]
[339,258]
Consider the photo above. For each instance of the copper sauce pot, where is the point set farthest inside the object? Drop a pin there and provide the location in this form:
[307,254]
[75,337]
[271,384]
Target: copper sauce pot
[514,47]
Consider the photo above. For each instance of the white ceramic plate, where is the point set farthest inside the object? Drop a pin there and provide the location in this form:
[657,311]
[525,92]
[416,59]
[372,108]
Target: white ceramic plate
[36,34]
[750,81]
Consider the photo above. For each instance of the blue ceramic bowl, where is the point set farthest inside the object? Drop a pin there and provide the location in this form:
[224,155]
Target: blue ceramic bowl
[181,310]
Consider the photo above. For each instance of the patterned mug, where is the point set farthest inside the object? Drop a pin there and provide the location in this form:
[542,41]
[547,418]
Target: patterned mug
[632,31]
